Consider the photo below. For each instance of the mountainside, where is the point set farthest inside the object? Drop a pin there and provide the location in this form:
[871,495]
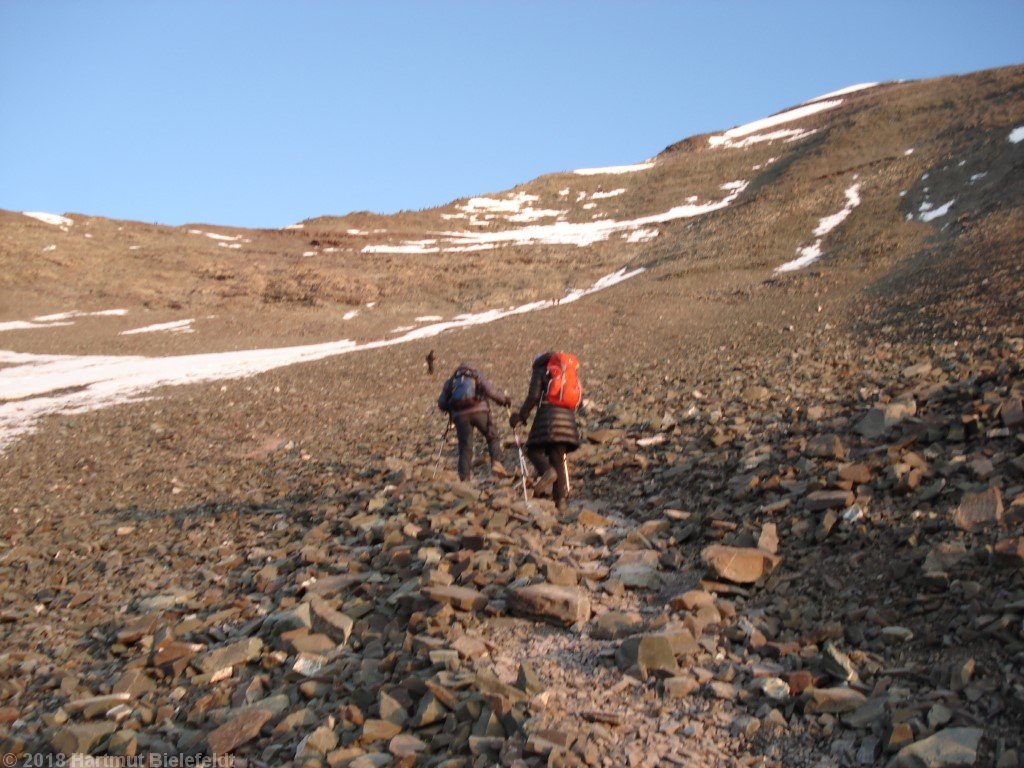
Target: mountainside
[796,531]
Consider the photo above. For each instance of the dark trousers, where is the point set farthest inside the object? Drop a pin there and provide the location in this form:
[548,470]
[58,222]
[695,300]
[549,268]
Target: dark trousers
[543,458]
[464,425]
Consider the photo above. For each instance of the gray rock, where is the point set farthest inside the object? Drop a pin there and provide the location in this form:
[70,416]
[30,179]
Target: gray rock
[652,654]
[945,749]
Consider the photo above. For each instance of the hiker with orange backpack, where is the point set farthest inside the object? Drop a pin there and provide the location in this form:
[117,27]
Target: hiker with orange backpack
[555,392]
[464,398]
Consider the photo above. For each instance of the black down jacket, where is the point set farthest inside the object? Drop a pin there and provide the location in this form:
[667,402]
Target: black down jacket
[552,424]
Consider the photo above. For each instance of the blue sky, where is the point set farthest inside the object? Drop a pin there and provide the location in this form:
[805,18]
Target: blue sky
[263,113]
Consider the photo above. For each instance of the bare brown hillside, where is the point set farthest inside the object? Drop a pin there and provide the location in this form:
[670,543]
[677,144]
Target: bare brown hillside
[796,533]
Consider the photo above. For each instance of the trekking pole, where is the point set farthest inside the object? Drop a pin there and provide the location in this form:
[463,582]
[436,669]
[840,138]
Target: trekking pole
[565,468]
[522,461]
[440,448]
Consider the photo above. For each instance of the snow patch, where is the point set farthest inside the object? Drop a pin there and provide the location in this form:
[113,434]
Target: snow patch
[605,195]
[294,226]
[614,169]
[214,235]
[641,235]
[176,326]
[35,386]
[811,253]
[428,318]
[978,177]
[350,314]
[928,214]
[1017,135]
[49,218]
[413,246]
[728,138]
[842,92]
[587,233]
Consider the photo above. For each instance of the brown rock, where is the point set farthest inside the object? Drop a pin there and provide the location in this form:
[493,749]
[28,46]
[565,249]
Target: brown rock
[855,473]
[826,447]
[979,509]
[834,700]
[1009,553]
[560,605]
[460,598]
[237,731]
[742,565]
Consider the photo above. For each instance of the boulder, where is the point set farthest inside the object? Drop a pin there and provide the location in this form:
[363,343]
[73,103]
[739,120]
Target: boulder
[559,605]
[979,509]
[945,749]
[741,565]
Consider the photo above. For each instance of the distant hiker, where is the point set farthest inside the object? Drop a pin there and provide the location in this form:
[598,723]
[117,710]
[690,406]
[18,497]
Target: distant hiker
[464,397]
[430,363]
[555,388]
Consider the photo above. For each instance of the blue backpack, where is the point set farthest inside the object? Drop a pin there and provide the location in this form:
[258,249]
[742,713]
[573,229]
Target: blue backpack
[463,390]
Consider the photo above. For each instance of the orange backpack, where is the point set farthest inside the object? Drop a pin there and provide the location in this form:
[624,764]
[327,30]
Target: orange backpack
[564,388]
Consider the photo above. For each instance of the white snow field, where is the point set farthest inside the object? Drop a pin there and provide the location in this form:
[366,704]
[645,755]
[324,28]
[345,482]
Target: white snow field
[731,137]
[33,386]
[927,213]
[842,92]
[613,169]
[579,234]
[811,253]
[50,218]
[175,326]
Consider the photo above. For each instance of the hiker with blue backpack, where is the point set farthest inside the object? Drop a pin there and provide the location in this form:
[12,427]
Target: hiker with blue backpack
[464,398]
[556,393]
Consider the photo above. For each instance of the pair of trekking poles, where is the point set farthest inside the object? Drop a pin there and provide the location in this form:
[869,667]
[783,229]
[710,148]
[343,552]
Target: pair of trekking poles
[519,450]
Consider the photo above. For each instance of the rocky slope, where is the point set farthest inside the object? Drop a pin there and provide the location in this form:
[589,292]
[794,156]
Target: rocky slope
[795,535]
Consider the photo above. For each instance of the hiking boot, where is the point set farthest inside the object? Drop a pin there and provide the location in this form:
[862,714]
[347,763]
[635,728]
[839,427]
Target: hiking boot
[545,483]
[498,469]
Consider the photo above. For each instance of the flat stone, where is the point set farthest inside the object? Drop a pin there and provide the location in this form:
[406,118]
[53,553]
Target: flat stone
[329,621]
[636,576]
[855,473]
[880,419]
[979,509]
[379,730]
[652,654]
[834,700]
[768,541]
[237,731]
[559,605]
[943,557]
[406,745]
[614,625]
[232,655]
[460,598]
[826,447]
[818,501]
[680,686]
[1009,553]
[81,739]
[1012,412]
[317,744]
[945,749]
[742,565]
[692,600]
[135,683]
[284,621]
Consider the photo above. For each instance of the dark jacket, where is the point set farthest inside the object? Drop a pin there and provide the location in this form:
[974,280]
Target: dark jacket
[484,391]
[552,424]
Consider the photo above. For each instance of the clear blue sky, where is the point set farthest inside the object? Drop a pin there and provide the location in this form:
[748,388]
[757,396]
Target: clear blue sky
[262,113]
